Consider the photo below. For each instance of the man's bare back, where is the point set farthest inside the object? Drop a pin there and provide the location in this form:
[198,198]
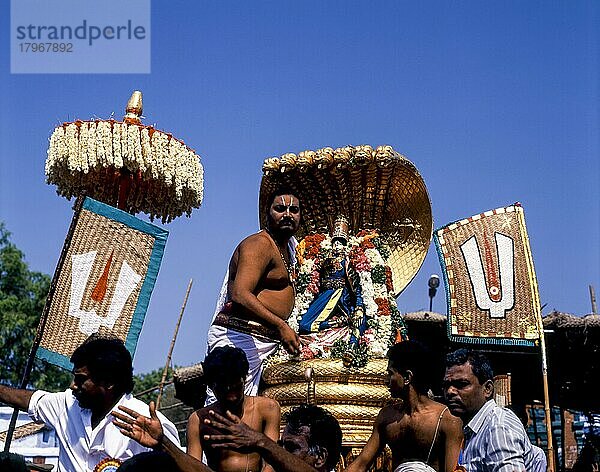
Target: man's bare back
[418,429]
[416,436]
[260,413]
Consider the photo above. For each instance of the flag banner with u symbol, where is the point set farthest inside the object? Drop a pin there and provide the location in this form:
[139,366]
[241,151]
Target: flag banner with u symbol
[103,282]
[491,288]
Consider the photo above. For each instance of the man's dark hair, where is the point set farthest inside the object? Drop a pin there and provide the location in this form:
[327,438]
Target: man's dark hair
[225,364]
[325,431]
[480,364]
[414,356]
[107,360]
[10,462]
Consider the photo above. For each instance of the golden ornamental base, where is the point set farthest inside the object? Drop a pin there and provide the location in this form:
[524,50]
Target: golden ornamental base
[353,395]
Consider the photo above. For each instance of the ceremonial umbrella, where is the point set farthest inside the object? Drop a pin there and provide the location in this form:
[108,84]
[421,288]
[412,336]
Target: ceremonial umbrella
[126,164]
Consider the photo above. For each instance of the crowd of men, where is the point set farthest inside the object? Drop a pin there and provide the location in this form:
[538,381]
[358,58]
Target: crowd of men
[97,418]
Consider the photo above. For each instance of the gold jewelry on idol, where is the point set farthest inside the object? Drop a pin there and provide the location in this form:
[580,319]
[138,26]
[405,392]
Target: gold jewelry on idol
[340,228]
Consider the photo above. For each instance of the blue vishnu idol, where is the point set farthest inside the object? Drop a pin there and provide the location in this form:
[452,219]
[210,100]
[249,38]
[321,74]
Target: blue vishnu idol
[339,302]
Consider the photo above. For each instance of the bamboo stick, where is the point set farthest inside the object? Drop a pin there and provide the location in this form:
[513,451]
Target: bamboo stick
[548,417]
[168,363]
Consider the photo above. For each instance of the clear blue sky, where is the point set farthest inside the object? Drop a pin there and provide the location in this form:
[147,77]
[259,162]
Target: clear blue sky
[494,102]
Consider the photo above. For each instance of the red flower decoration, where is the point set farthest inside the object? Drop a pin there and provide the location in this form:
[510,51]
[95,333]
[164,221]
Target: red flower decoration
[389,280]
[312,245]
[383,307]
[359,261]
[367,244]
[313,285]
[307,353]
[367,233]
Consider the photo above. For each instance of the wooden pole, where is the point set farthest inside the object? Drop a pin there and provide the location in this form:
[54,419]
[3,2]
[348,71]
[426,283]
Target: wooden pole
[593,300]
[563,438]
[168,363]
[548,417]
[40,331]
[538,315]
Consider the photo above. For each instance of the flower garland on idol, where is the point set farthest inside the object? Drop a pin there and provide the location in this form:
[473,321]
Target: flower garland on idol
[367,254]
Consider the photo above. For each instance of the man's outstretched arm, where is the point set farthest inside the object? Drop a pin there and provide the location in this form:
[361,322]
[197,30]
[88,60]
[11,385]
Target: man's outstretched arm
[15,397]
[149,433]
[240,437]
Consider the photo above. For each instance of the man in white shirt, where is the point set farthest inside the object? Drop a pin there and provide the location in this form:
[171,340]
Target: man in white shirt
[103,380]
[495,440]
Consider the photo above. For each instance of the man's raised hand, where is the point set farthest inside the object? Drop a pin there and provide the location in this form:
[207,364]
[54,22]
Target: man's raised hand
[235,433]
[146,431]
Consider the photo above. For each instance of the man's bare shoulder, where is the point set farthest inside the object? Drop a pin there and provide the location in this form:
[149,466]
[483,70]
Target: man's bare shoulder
[389,413]
[257,239]
[194,420]
[266,405]
[257,246]
[451,423]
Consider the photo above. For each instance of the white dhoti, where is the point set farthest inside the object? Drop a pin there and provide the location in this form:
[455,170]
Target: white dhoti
[414,466]
[257,350]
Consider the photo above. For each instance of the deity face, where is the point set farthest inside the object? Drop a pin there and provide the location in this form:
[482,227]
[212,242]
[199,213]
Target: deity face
[338,247]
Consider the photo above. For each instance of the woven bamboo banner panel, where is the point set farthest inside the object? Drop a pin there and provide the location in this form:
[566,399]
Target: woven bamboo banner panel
[491,288]
[105,282]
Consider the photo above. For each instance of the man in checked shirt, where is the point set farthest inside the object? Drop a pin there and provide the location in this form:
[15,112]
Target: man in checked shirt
[495,440]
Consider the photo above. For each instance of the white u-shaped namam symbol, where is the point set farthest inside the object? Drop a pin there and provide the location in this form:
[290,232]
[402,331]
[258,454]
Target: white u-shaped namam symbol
[90,321]
[505,292]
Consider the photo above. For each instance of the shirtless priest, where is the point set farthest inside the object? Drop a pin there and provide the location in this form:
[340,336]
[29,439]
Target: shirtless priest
[421,433]
[258,297]
[225,369]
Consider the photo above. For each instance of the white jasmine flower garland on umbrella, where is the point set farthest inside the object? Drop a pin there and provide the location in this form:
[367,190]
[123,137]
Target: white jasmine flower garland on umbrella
[136,167]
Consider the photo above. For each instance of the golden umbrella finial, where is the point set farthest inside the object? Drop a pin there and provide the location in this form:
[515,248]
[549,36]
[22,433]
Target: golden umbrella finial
[134,108]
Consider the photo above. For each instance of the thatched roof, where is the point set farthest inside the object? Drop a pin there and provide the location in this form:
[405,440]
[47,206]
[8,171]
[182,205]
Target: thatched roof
[26,429]
[573,345]
[426,316]
[558,320]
